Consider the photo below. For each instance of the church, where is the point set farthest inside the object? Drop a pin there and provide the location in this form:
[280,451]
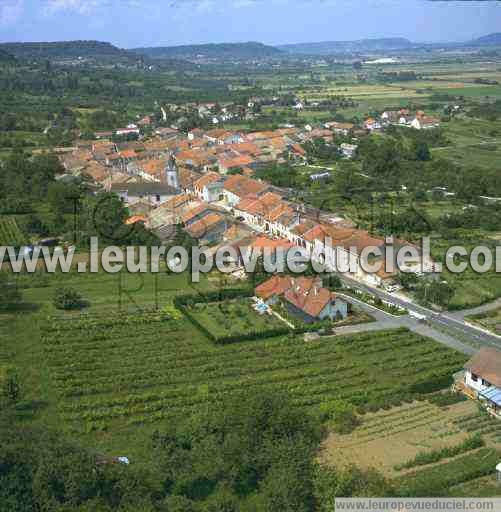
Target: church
[153,193]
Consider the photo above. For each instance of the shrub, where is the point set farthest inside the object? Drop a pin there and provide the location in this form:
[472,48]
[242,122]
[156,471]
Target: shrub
[340,414]
[424,458]
[68,299]
[446,399]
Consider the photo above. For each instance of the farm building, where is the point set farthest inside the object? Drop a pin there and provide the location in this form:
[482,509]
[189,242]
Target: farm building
[482,379]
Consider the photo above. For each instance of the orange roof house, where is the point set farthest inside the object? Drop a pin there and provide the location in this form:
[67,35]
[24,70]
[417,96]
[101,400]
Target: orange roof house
[303,297]
[274,287]
[307,296]
[208,228]
[237,162]
[242,186]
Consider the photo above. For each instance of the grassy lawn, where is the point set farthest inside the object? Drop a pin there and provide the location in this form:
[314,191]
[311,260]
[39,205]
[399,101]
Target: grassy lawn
[234,317]
[490,320]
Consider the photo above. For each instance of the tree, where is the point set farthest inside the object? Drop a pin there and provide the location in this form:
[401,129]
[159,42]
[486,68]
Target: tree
[68,299]
[10,296]
[240,448]
[423,152]
[341,415]
[10,388]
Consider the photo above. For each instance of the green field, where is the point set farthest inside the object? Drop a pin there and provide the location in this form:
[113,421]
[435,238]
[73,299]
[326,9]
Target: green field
[443,479]
[10,234]
[111,376]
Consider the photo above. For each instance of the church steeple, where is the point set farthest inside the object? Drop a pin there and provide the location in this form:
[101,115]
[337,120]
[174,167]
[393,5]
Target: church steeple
[171,173]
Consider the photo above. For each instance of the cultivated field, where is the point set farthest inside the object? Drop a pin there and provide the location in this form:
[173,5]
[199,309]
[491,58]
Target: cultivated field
[426,449]
[10,234]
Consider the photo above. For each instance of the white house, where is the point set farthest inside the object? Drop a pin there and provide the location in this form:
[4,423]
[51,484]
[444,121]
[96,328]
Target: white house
[482,379]
[209,187]
[153,193]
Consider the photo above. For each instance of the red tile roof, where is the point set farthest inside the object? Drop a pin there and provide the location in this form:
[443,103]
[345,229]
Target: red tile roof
[207,179]
[242,186]
[203,226]
[277,285]
[307,295]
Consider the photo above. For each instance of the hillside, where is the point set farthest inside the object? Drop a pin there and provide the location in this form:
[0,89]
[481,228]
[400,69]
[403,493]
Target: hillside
[64,50]
[249,50]
[490,39]
[327,47]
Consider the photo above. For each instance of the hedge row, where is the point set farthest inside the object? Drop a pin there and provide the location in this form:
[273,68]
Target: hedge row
[183,302]
[425,458]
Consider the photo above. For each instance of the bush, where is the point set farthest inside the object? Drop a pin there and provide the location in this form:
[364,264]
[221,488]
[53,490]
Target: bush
[68,299]
[341,414]
[424,458]
[446,399]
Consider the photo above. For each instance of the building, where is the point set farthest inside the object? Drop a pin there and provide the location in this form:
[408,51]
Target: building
[304,297]
[172,174]
[208,229]
[153,193]
[237,187]
[209,187]
[482,379]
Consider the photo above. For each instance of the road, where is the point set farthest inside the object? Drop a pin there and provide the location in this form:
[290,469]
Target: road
[447,328]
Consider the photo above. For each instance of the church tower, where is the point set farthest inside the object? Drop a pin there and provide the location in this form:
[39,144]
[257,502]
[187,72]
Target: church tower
[172,174]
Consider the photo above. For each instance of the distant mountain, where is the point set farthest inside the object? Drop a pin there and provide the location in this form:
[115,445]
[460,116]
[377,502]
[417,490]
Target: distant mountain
[65,50]
[491,39]
[240,51]
[328,47]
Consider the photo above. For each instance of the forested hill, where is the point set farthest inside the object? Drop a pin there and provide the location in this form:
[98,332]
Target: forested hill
[491,39]
[65,50]
[249,50]
[326,47]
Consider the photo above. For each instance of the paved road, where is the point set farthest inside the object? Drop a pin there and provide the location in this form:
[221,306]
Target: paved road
[446,328]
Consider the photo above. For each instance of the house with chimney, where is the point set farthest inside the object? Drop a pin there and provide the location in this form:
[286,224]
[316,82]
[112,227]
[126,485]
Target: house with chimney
[305,298]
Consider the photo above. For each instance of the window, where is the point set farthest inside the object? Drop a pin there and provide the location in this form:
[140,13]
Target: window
[158,198]
[474,377]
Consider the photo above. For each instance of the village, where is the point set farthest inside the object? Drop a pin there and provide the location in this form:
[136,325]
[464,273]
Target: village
[203,181]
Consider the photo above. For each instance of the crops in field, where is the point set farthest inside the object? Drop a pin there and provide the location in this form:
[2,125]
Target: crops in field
[436,480]
[10,234]
[136,369]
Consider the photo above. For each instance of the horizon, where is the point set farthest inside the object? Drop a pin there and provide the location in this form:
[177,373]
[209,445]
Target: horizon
[277,45]
[193,22]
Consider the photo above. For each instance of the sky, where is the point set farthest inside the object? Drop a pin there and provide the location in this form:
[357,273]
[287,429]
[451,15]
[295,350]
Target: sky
[136,23]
